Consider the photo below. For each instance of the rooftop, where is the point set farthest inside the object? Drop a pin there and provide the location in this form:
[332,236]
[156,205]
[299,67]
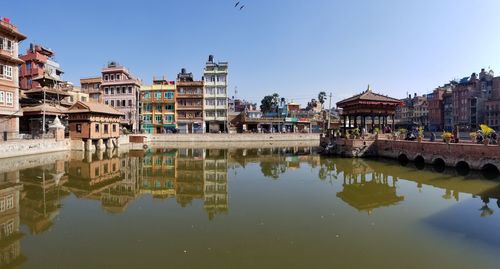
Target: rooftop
[368,95]
[91,107]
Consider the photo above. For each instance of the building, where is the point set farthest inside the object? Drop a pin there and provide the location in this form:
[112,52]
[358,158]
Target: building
[492,106]
[121,90]
[39,63]
[448,122]
[158,107]
[436,107]
[377,108]
[92,86]
[468,103]
[215,96]
[94,123]
[9,78]
[75,95]
[189,103]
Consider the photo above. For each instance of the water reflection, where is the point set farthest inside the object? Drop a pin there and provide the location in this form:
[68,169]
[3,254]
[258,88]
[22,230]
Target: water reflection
[190,177]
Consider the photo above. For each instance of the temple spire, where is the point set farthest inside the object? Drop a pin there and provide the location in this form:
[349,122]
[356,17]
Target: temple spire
[369,89]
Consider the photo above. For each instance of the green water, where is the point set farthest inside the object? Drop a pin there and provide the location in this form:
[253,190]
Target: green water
[242,208]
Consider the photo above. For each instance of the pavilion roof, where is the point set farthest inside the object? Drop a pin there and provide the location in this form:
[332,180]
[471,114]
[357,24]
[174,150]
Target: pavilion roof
[92,107]
[368,95]
[49,109]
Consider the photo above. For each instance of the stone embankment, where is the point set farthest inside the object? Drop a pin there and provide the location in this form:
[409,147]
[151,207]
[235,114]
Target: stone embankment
[462,156]
[18,148]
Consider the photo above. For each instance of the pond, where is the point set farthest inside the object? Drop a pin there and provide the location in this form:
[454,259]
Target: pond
[282,207]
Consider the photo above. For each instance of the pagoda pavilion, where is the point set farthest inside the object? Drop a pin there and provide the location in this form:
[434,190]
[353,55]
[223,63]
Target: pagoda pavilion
[376,107]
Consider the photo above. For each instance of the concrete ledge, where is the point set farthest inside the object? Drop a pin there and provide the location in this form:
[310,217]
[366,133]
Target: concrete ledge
[231,137]
[30,147]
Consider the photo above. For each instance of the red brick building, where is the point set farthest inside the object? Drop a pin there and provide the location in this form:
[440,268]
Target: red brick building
[39,64]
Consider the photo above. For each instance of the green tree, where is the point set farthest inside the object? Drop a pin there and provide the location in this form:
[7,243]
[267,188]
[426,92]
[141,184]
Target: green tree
[322,98]
[269,103]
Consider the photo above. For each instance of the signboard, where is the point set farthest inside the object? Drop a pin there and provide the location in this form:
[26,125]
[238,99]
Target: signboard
[291,119]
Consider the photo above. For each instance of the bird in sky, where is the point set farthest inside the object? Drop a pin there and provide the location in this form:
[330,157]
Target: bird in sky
[237,3]
[242,7]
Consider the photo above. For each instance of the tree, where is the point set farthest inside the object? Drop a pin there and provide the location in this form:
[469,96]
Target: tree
[269,103]
[322,98]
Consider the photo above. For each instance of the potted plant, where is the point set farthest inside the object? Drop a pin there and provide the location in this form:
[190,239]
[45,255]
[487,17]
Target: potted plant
[487,131]
[395,135]
[402,133]
[420,134]
[447,137]
[355,133]
[473,137]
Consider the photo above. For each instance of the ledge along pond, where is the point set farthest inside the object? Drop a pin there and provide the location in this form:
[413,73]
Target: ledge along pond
[272,207]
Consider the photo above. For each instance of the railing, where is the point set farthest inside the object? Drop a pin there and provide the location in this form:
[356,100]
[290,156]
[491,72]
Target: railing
[16,136]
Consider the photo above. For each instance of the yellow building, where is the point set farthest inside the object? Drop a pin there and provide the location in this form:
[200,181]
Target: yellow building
[158,107]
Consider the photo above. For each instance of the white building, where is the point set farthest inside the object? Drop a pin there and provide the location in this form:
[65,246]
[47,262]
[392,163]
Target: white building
[215,96]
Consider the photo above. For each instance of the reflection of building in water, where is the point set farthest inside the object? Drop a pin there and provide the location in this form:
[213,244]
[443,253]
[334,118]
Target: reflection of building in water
[158,176]
[117,196]
[107,178]
[189,170]
[363,194]
[215,179]
[42,195]
[10,245]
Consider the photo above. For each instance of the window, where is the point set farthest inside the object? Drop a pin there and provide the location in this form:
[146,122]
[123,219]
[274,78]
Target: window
[79,128]
[147,95]
[2,97]
[114,128]
[106,102]
[129,102]
[117,77]
[158,107]
[6,71]
[129,89]
[105,128]
[123,90]
[221,91]
[117,103]
[97,127]
[9,98]
[123,103]
[221,102]
[158,95]
[112,102]
[169,107]
[106,90]
[169,118]
[112,90]
[105,77]
[112,77]
[158,118]
[6,44]
[210,102]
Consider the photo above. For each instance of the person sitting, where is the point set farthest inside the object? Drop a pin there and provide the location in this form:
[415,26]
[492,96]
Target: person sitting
[433,137]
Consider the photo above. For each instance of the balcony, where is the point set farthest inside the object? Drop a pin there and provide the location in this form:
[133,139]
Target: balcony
[190,95]
[8,56]
[190,107]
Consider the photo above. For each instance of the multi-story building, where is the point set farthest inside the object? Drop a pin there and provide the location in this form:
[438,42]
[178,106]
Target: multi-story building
[92,87]
[492,105]
[189,103]
[158,107]
[448,111]
[215,96]
[9,78]
[468,103]
[413,112]
[39,65]
[121,90]
[436,107]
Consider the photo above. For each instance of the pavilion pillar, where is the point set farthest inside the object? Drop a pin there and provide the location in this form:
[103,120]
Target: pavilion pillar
[355,121]
[373,123]
[393,125]
[345,124]
[379,122]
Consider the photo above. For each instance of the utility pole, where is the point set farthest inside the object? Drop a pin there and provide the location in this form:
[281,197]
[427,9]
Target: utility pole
[329,109]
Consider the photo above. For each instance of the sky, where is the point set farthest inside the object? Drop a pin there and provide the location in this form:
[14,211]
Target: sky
[295,48]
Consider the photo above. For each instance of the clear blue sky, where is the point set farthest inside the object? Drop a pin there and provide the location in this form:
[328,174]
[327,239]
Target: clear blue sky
[293,47]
